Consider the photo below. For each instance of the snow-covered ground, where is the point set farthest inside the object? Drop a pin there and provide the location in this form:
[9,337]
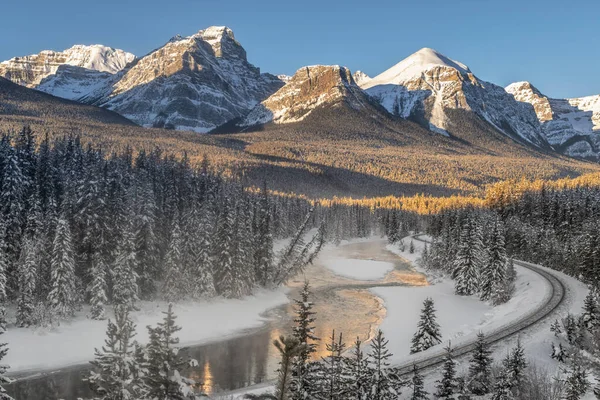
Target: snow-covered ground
[460,317]
[363,270]
[530,290]
[73,342]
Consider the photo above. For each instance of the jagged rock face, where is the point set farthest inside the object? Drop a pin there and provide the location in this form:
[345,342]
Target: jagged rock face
[572,126]
[426,84]
[526,92]
[80,66]
[194,83]
[361,78]
[310,88]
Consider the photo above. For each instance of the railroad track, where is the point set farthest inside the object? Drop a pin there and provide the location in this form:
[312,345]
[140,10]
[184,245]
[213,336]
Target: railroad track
[552,301]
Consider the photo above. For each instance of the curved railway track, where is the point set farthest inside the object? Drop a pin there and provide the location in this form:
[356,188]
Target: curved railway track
[552,301]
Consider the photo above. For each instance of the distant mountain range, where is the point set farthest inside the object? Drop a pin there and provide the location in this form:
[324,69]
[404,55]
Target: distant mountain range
[204,82]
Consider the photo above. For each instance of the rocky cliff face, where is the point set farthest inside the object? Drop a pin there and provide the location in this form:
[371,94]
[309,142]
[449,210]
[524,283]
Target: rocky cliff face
[193,83]
[427,84]
[69,74]
[310,88]
[572,126]
[361,78]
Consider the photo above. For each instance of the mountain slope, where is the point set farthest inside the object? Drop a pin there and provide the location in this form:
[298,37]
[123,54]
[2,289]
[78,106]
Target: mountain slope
[572,126]
[17,101]
[310,88]
[191,83]
[427,86]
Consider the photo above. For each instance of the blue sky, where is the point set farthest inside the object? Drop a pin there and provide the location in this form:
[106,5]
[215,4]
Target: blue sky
[552,43]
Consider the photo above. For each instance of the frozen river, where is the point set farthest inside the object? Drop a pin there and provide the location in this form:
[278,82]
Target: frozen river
[341,303]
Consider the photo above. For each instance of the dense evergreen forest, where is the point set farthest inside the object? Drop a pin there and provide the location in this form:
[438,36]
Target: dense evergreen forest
[79,226]
[554,227]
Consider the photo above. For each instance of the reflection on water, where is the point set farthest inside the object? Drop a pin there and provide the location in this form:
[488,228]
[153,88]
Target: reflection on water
[250,359]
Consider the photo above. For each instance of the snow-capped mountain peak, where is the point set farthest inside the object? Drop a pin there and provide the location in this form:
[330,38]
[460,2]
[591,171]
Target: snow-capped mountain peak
[413,67]
[427,87]
[31,70]
[193,83]
[361,78]
[222,40]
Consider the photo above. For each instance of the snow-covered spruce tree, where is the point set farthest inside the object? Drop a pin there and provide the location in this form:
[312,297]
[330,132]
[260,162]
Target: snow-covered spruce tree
[334,385]
[576,383]
[512,375]
[516,365]
[425,260]
[446,386]
[3,278]
[469,258]
[204,284]
[27,280]
[393,229]
[493,274]
[243,250]
[590,318]
[502,387]
[480,367]
[163,379]
[12,202]
[63,296]
[589,255]
[175,282]
[417,385]
[555,327]
[116,373]
[411,247]
[571,329]
[384,383]
[263,254]
[289,348]
[559,353]
[357,373]
[97,287]
[428,331]
[125,286]
[146,242]
[304,331]
[224,267]
[4,380]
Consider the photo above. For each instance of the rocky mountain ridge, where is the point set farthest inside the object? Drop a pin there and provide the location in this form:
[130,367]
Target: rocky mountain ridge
[426,85]
[204,81]
[311,87]
[572,126]
[71,73]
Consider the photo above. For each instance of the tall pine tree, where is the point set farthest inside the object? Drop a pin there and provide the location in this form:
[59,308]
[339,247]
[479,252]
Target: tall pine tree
[480,367]
[428,331]
[63,295]
[115,374]
[469,258]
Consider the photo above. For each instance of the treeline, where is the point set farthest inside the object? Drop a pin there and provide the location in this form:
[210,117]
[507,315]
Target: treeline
[494,195]
[555,227]
[79,226]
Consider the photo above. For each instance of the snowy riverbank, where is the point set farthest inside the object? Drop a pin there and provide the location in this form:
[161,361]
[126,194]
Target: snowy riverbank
[73,342]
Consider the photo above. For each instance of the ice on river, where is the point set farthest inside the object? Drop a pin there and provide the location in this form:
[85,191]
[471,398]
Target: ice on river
[73,342]
[364,270]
